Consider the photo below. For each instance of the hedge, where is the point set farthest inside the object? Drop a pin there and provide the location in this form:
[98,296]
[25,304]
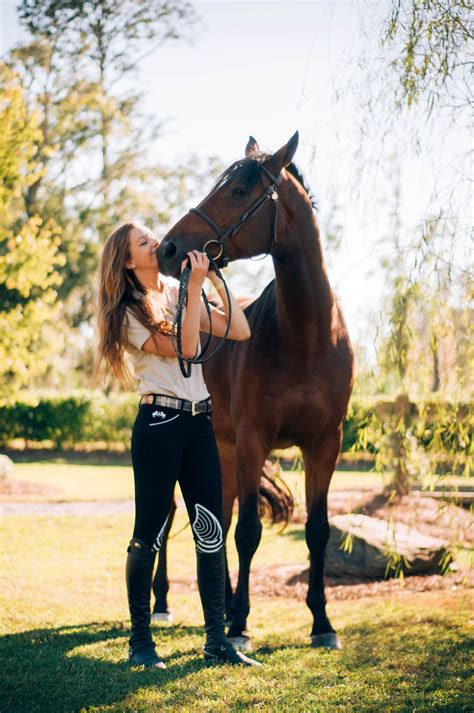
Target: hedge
[68,421]
[93,418]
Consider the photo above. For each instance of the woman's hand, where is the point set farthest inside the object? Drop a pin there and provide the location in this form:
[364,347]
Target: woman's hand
[199,263]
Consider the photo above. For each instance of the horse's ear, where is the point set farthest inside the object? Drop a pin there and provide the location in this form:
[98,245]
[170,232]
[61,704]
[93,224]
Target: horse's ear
[284,156]
[252,147]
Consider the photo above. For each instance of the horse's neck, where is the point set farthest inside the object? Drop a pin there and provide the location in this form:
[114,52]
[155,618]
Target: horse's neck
[304,299]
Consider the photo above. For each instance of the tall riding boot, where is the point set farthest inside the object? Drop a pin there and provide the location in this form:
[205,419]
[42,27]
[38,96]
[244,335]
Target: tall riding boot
[211,583]
[138,572]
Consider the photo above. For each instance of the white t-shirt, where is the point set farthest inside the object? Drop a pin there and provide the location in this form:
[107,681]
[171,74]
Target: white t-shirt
[159,374]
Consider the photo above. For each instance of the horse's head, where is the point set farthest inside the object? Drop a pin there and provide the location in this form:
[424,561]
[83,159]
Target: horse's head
[237,218]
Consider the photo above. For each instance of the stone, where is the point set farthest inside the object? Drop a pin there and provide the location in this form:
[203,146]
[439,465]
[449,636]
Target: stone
[367,547]
[6,468]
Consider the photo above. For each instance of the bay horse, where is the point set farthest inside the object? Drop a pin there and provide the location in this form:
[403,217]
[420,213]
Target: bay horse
[290,383]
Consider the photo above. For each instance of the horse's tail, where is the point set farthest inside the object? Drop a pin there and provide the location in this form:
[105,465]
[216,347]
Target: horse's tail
[276,499]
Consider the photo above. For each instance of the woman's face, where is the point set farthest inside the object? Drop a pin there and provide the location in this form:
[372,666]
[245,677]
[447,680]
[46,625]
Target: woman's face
[143,246]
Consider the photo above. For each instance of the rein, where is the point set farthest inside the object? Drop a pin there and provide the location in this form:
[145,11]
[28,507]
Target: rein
[185,363]
[271,193]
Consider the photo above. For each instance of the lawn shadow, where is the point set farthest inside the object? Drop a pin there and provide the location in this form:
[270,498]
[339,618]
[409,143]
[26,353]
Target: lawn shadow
[68,457]
[41,672]
[295,534]
[433,655]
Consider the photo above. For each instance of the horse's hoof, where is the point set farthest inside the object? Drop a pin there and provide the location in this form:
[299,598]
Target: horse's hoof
[162,617]
[327,641]
[241,643]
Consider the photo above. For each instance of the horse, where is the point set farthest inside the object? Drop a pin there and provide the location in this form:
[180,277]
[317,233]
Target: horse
[291,381]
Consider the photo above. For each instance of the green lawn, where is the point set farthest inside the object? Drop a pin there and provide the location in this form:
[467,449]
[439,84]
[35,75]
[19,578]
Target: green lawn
[66,627]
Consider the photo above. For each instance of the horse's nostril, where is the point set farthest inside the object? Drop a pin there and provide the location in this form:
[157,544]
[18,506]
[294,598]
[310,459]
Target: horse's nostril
[170,250]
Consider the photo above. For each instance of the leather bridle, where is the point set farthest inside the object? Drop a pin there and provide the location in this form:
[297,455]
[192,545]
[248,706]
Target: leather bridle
[270,193]
[223,235]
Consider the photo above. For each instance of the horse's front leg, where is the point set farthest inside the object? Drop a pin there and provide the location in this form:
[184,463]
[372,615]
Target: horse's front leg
[161,586]
[319,465]
[250,456]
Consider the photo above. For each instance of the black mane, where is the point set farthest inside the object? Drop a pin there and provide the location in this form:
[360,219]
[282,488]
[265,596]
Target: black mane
[296,173]
[247,172]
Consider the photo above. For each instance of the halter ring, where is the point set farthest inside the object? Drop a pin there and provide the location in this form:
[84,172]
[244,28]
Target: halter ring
[209,242]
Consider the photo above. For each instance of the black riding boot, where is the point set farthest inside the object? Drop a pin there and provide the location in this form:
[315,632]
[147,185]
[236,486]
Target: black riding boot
[138,572]
[211,583]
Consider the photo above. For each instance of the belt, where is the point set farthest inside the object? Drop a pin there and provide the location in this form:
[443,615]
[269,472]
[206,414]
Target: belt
[194,407]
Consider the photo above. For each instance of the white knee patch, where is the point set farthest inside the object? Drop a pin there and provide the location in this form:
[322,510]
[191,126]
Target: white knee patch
[159,539]
[207,530]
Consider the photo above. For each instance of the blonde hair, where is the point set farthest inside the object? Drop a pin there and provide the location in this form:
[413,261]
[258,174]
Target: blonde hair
[117,291]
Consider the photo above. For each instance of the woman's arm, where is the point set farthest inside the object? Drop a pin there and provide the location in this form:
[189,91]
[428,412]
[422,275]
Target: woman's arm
[239,327]
[160,344]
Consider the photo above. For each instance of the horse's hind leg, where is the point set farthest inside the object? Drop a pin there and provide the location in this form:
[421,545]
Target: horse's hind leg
[319,464]
[250,456]
[161,612]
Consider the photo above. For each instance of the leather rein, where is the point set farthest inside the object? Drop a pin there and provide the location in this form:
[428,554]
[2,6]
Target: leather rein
[270,193]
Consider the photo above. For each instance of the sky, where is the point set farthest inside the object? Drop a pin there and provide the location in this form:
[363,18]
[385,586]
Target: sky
[268,68]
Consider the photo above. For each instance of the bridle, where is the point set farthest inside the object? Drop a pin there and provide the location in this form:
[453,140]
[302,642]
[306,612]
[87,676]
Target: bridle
[270,193]
[223,235]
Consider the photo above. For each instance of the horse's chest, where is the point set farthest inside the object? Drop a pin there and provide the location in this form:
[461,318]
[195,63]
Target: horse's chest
[293,411]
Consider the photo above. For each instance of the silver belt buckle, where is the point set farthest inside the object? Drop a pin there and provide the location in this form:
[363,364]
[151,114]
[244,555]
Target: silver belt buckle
[193,407]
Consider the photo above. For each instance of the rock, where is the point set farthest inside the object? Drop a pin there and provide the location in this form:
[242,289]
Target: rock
[6,468]
[379,548]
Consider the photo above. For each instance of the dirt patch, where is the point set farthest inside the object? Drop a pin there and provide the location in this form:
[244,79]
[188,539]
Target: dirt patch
[22,487]
[292,581]
[79,508]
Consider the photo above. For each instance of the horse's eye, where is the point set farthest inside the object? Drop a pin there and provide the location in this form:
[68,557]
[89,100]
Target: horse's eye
[239,192]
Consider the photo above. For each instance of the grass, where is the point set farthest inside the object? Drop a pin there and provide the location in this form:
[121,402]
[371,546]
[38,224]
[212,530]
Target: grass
[66,628]
[72,480]
[77,482]
[110,482]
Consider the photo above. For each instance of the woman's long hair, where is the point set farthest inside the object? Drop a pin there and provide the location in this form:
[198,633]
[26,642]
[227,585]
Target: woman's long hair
[118,290]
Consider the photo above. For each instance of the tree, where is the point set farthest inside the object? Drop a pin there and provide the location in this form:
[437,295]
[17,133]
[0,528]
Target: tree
[95,146]
[93,164]
[416,88]
[29,248]
[428,44]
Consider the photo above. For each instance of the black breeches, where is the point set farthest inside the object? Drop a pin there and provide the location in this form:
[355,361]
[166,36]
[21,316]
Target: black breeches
[169,446]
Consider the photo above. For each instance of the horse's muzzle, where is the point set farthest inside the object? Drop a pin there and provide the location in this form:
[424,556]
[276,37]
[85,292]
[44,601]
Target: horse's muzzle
[169,261]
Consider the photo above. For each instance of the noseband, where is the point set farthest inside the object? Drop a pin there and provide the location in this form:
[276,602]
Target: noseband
[223,235]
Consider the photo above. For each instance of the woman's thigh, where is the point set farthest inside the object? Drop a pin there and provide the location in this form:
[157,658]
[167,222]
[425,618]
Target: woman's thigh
[200,482]
[157,454]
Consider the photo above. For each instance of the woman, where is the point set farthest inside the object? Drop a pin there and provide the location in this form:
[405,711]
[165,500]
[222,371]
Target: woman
[172,438]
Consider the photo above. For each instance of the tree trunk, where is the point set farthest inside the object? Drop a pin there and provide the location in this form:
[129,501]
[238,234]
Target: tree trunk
[401,478]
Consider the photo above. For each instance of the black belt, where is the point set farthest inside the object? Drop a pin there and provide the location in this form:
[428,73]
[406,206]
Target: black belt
[194,407]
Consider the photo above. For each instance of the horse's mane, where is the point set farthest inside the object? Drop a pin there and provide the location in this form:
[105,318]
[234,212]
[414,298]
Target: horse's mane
[258,306]
[296,173]
[247,172]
